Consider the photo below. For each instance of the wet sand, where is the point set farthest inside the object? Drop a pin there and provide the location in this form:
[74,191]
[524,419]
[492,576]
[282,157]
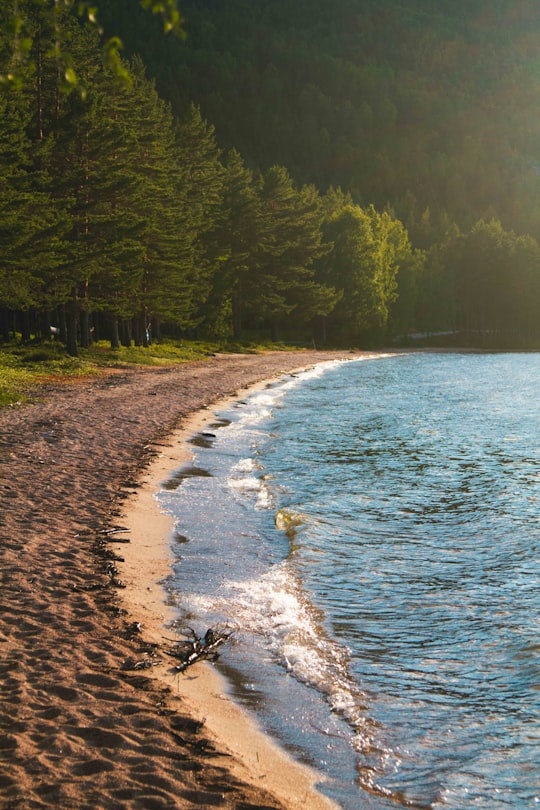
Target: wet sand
[201,690]
[84,722]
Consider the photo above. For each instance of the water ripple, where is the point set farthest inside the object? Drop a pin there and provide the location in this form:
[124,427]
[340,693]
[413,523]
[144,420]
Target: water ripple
[373,531]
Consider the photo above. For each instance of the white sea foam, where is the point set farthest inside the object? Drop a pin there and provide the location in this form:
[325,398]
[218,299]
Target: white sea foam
[265,499]
[383,573]
[275,609]
[245,465]
[273,606]
[247,483]
[241,482]
[257,408]
[260,405]
[245,588]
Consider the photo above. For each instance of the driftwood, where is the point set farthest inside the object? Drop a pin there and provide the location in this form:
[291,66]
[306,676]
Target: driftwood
[110,535]
[197,649]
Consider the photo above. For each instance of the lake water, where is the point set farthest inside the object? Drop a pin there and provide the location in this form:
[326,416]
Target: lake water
[371,531]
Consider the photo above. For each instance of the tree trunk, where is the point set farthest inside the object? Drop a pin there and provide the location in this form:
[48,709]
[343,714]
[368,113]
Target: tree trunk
[45,325]
[86,338]
[137,337]
[86,334]
[146,329]
[71,324]
[25,325]
[125,333]
[4,323]
[115,337]
[237,314]
[62,323]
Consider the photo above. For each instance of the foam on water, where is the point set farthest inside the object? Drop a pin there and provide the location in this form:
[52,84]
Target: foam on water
[256,591]
[368,535]
[275,608]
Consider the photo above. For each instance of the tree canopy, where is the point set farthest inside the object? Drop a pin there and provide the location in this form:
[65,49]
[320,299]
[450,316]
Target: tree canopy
[346,173]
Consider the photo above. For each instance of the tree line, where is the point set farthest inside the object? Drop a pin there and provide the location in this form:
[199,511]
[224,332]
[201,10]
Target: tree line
[117,216]
[421,108]
[122,218]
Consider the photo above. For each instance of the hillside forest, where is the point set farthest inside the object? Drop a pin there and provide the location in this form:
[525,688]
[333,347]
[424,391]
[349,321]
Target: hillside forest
[345,174]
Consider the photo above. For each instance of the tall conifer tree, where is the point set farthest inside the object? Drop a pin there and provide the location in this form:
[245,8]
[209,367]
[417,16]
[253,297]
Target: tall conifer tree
[239,234]
[291,241]
[200,187]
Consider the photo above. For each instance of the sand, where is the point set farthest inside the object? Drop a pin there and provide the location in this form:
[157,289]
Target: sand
[91,714]
[254,757]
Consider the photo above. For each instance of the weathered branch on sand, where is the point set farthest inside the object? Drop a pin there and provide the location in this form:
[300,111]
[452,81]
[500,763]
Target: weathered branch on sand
[114,530]
[197,649]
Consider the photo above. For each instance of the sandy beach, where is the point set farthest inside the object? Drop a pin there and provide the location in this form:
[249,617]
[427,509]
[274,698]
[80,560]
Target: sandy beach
[93,716]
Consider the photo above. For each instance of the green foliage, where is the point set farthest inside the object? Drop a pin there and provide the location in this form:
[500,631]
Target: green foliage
[373,186]
[368,250]
[290,241]
[238,241]
[23,369]
[172,21]
[496,283]
[199,188]
[420,109]
[104,208]
[18,18]
[15,385]
[426,106]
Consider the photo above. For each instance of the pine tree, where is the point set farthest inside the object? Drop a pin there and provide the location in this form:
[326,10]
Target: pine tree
[167,285]
[199,185]
[238,238]
[290,243]
[87,148]
[31,225]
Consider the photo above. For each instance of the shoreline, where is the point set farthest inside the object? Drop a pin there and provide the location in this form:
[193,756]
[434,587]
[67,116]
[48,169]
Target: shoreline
[253,755]
[81,724]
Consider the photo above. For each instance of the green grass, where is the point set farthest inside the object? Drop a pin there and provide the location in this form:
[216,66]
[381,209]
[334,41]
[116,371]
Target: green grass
[23,368]
[14,384]
[165,353]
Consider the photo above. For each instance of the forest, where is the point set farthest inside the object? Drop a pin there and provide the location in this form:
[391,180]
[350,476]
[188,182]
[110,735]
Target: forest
[348,174]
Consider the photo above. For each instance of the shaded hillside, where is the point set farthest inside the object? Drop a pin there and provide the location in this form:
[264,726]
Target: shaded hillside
[414,103]
[344,175]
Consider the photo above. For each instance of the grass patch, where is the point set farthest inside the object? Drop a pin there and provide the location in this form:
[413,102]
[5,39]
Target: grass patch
[165,353]
[15,385]
[23,368]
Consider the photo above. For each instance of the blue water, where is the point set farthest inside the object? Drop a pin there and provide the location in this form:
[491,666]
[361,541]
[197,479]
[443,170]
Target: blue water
[370,530]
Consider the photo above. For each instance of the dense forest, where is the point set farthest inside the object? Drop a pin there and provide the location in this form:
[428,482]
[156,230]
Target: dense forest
[346,173]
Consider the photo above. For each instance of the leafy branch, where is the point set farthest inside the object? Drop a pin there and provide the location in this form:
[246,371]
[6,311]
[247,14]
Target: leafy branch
[15,31]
